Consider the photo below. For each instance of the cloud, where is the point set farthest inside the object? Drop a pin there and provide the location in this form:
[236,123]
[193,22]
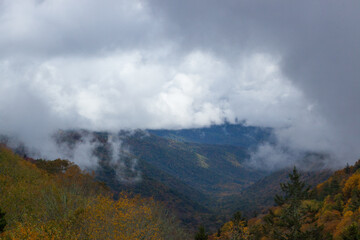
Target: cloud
[317,43]
[124,90]
[45,28]
[165,64]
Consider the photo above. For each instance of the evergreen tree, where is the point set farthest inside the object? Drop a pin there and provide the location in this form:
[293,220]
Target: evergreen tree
[294,191]
[2,221]
[355,200]
[201,235]
[238,217]
[347,169]
[352,232]
[287,224]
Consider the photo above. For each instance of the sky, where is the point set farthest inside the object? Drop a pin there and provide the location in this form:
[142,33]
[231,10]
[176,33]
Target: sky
[127,64]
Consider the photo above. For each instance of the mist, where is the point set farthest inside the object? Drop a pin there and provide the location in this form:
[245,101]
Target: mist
[161,64]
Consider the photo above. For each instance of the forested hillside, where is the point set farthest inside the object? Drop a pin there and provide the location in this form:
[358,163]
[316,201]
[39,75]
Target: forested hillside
[258,197]
[56,200]
[42,199]
[331,210]
[201,183]
[238,135]
[188,177]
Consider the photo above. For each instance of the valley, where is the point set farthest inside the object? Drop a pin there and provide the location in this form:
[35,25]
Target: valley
[203,180]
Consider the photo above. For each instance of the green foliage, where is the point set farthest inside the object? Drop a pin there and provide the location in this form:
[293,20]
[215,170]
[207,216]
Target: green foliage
[2,221]
[238,217]
[352,232]
[288,222]
[201,234]
[294,191]
[355,200]
[294,214]
[347,169]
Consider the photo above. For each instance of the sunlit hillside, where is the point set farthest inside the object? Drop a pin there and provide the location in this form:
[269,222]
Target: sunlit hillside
[56,200]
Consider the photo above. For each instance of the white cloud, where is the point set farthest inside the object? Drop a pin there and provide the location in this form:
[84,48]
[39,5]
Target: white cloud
[121,90]
[160,64]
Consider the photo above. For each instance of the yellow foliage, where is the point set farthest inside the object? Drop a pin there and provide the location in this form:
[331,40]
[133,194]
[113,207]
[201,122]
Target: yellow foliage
[346,220]
[329,219]
[127,218]
[231,230]
[351,184]
[71,205]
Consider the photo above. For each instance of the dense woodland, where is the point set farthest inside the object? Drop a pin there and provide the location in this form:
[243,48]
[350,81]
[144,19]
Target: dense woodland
[329,211]
[56,200]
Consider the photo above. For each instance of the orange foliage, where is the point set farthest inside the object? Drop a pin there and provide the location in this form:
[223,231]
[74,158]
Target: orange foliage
[70,204]
[351,184]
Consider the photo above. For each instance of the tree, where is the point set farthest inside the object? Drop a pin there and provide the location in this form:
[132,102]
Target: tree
[287,221]
[2,221]
[347,169]
[238,217]
[352,232]
[201,235]
[294,191]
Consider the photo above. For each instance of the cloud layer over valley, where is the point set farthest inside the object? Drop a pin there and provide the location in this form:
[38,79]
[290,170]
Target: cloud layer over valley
[110,65]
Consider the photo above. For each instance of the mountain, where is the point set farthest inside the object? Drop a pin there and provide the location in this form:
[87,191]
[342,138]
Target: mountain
[56,200]
[213,169]
[187,177]
[258,197]
[330,210]
[202,174]
[239,135]
[187,202]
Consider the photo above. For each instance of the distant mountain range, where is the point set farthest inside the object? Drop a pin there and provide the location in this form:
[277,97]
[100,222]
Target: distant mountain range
[226,134]
[189,177]
[200,173]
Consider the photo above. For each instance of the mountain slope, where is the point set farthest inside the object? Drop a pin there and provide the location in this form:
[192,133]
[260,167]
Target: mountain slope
[225,134]
[214,169]
[330,211]
[188,203]
[56,200]
[187,177]
[260,196]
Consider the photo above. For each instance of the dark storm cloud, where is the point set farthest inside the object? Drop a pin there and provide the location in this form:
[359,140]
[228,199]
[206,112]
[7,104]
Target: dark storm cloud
[318,42]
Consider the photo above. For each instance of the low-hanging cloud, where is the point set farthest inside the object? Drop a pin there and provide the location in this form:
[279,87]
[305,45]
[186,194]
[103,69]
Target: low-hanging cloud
[166,64]
[97,151]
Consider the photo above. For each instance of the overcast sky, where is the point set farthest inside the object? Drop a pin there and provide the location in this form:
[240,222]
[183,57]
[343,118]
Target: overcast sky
[112,64]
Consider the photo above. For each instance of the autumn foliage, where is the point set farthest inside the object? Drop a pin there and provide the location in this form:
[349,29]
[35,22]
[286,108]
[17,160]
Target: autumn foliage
[57,200]
[329,211]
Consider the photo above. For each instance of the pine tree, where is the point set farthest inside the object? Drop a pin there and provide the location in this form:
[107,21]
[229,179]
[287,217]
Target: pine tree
[347,169]
[201,235]
[294,191]
[355,200]
[2,221]
[238,217]
[287,224]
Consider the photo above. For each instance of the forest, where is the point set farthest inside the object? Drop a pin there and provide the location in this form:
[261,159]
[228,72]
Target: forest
[57,200]
[328,211]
